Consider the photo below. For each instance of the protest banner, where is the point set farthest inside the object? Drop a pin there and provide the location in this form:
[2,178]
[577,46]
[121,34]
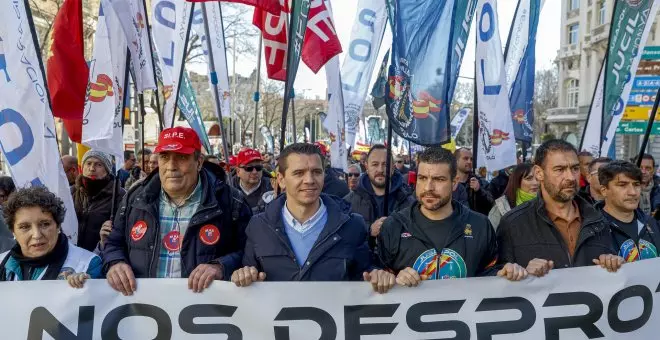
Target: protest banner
[579,303]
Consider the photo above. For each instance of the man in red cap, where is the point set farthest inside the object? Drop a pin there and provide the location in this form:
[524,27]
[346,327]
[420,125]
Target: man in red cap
[182,221]
[249,175]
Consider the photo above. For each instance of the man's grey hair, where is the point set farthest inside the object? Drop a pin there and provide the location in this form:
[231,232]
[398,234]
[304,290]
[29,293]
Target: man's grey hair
[356,166]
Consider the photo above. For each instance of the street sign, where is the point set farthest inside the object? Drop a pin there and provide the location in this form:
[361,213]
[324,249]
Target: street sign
[636,128]
[637,113]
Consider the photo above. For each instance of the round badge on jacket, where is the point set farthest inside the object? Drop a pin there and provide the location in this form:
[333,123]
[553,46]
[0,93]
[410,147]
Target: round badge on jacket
[209,234]
[138,231]
[172,241]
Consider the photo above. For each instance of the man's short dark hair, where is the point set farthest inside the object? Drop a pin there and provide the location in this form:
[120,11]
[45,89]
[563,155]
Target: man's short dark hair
[128,153]
[585,154]
[439,155]
[599,160]
[553,145]
[210,157]
[7,185]
[609,171]
[374,148]
[649,157]
[144,152]
[36,196]
[300,149]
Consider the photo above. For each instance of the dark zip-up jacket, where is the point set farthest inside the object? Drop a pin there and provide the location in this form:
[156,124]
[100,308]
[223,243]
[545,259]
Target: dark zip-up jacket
[340,253]
[481,200]
[649,238]
[221,207]
[526,232]
[585,193]
[253,198]
[402,243]
[332,185]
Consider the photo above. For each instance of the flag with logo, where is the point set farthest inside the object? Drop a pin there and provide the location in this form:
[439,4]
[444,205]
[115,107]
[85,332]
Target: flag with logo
[133,19]
[334,122]
[360,60]
[27,129]
[271,6]
[67,68]
[520,67]
[417,96]
[457,122]
[380,88]
[629,29]
[217,34]
[108,84]
[496,143]
[190,110]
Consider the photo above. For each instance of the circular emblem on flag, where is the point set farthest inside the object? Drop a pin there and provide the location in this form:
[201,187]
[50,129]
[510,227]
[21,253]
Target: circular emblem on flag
[138,231]
[209,234]
[631,252]
[172,241]
[449,265]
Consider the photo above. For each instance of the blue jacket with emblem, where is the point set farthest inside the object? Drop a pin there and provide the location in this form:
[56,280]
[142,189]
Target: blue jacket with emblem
[341,252]
[220,206]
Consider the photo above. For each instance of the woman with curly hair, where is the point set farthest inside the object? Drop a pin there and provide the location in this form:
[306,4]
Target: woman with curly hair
[42,252]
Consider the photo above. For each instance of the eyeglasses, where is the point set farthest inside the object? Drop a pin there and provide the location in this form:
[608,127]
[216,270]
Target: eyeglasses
[252,168]
[353,175]
[398,162]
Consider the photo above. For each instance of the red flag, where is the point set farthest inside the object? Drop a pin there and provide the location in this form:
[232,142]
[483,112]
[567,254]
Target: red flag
[271,6]
[67,69]
[321,41]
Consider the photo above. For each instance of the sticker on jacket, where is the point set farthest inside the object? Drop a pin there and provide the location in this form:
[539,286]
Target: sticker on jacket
[209,234]
[172,241]
[632,252]
[449,265]
[138,231]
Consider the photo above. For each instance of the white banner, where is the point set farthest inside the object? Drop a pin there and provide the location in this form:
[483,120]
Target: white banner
[458,121]
[171,26]
[27,129]
[591,141]
[131,14]
[334,121]
[497,145]
[102,118]
[360,60]
[217,32]
[567,304]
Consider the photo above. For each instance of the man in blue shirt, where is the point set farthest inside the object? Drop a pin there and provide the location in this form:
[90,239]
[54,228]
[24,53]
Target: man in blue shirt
[305,235]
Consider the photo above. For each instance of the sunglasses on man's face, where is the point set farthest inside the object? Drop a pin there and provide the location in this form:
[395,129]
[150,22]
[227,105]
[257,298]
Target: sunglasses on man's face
[399,162]
[252,168]
[353,175]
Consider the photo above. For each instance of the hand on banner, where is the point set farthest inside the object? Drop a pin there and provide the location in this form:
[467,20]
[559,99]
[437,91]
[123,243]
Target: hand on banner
[202,276]
[106,228]
[539,267]
[409,277]
[375,227]
[474,184]
[513,272]
[610,262]
[381,281]
[121,278]
[77,280]
[244,277]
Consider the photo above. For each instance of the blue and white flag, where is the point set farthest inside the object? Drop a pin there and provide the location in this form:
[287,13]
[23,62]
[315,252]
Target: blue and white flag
[496,145]
[171,27]
[192,113]
[360,60]
[464,12]
[458,121]
[103,114]
[419,76]
[27,129]
[520,67]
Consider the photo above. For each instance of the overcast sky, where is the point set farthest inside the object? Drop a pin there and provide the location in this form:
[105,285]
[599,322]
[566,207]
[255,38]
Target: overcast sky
[344,11]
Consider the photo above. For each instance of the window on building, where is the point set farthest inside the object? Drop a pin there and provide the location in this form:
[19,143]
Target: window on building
[588,61]
[588,22]
[573,4]
[601,12]
[572,90]
[573,34]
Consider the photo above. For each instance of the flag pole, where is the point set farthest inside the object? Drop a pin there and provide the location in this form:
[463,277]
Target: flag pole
[256,92]
[388,169]
[153,66]
[649,127]
[288,80]
[214,82]
[293,114]
[183,61]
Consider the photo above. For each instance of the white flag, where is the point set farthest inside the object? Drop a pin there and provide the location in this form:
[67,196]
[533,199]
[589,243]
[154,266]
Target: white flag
[360,60]
[170,30]
[591,141]
[458,121]
[131,14]
[103,115]
[216,31]
[334,122]
[496,145]
[27,128]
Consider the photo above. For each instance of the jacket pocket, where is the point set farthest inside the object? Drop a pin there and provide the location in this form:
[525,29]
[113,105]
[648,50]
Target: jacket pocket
[335,265]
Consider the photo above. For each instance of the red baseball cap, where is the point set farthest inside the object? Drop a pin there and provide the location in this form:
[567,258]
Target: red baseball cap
[322,147]
[232,160]
[178,139]
[247,156]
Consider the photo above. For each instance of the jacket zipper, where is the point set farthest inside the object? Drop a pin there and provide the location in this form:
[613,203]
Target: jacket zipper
[562,243]
[323,241]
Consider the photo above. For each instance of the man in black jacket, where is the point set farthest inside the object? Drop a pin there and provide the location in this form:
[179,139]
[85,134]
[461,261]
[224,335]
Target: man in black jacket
[368,199]
[183,221]
[436,238]
[479,199]
[333,183]
[249,177]
[557,229]
[636,235]
[591,193]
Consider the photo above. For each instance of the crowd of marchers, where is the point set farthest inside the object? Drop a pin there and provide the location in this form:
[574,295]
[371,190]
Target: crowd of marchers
[176,213]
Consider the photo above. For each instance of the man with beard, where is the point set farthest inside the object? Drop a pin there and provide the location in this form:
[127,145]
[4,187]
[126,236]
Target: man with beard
[635,234]
[557,229]
[438,238]
[368,199]
[478,198]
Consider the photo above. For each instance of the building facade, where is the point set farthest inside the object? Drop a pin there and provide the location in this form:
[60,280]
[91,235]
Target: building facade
[585,29]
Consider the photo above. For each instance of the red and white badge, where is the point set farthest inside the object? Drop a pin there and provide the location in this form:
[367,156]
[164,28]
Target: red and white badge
[172,241]
[209,234]
[138,231]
